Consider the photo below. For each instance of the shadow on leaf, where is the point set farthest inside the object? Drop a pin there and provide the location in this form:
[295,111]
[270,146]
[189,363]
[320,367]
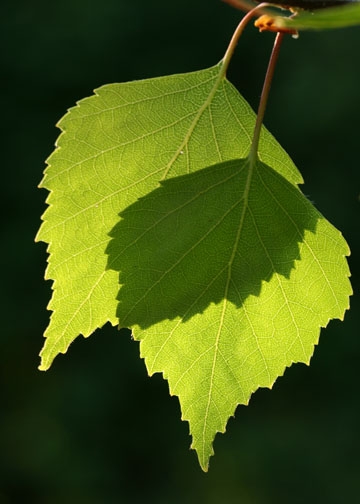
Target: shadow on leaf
[200,238]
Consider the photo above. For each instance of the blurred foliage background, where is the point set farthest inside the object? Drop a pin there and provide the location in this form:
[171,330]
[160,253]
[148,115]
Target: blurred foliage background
[95,429]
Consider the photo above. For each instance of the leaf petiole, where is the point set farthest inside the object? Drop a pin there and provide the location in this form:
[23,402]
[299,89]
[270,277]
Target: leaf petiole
[268,77]
[264,96]
[237,33]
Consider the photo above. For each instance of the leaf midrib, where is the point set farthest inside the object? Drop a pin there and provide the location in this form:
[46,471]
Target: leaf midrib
[250,162]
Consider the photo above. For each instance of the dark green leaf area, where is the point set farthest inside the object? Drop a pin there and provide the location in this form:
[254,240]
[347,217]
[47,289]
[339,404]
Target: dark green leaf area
[200,238]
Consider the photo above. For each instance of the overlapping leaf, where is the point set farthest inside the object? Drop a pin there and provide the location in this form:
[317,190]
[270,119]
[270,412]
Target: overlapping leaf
[227,276]
[115,147]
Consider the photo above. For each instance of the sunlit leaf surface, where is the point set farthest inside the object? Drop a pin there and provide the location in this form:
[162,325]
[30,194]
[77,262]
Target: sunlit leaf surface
[158,220]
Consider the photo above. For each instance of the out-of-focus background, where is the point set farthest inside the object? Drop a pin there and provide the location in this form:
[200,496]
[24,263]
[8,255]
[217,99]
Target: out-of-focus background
[95,429]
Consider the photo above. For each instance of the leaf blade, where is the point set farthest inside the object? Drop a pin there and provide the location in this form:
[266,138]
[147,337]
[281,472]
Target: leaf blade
[264,314]
[114,148]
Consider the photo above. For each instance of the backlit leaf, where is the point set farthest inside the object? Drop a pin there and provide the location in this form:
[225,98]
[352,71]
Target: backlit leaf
[227,276]
[115,147]
[218,263]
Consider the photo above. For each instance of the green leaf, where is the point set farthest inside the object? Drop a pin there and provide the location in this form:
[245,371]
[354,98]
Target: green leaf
[322,19]
[227,272]
[227,275]
[115,147]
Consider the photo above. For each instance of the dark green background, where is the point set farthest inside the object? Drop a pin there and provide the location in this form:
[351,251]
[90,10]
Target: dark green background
[95,429]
